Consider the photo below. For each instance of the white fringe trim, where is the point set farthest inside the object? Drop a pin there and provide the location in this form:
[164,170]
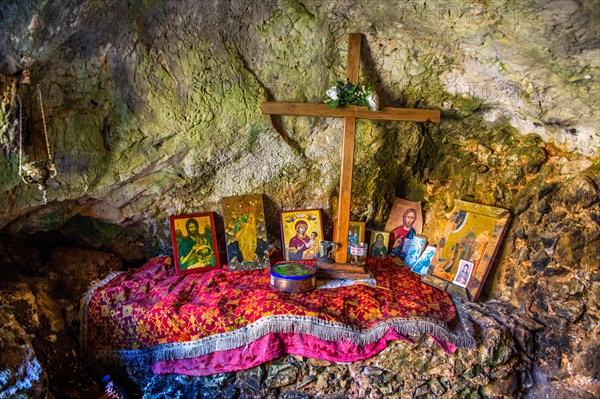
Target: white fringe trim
[330,331]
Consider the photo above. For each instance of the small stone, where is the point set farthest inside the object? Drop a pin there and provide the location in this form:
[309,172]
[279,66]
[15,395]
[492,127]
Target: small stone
[525,379]
[253,377]
[547,189]
[549,240]
[523,254]
[543,207]
[587,363]
[293,395]
[594,298]
[575,166]
[496,349]
[571,310]
[532,139]
[522,202]
[436,387]
[422,390]
[540,260]
[558,290]
[581,191]
[589,258]
[317,362]
[513,176]
[321,382]
[555,271]
[556,217]
[529,158]
[520,232]
[532,217]
[308,380]
[500,388]
[280,375]
[570,246]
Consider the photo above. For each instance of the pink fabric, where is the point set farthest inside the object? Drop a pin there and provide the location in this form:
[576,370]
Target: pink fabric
[448,347]
[273,346]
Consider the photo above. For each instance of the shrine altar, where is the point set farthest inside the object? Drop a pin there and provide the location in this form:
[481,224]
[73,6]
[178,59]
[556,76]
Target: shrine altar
[220,320]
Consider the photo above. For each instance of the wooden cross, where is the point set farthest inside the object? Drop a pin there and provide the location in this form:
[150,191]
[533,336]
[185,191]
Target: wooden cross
[350,113]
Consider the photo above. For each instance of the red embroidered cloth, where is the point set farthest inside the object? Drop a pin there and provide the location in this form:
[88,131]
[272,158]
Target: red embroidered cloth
[152,314]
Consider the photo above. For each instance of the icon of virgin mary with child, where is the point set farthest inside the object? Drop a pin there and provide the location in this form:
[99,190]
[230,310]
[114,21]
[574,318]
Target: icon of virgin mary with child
[301,246]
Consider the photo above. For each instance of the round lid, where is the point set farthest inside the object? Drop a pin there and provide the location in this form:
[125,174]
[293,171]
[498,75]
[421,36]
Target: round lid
[293,271]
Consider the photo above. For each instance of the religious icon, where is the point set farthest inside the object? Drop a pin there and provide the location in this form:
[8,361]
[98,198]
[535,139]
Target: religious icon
[414,251]
[194,242]
[245,232]
[473,234]
[404,222]
[301,234]
[421,266]
[378,248]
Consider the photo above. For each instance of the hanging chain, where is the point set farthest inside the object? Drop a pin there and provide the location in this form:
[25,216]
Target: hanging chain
[38,172]
[44,122]
[19,96]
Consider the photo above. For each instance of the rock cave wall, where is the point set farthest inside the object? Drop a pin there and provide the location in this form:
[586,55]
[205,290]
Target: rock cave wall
[153,109]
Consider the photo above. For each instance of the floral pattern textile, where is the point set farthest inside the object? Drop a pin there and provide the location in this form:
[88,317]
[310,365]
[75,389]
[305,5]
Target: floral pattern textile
[152,314]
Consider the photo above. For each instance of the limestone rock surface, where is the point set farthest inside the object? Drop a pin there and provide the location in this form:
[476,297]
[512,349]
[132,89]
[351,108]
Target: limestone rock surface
[153,109]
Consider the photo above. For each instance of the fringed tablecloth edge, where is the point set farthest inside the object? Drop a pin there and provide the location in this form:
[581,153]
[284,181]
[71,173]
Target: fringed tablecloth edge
[281,324]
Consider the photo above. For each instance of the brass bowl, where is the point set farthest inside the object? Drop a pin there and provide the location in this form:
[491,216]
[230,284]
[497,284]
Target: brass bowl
[293,277]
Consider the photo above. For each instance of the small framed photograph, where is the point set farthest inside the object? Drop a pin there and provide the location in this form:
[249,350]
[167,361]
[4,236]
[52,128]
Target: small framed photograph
[301,233]
[421,266]
[194,242]
[415,247]
[464,273]
[378,247]
[357,232]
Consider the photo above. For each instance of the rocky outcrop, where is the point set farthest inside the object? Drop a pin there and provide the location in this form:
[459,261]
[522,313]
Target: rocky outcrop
[160,115]
[39,313]
[21,374]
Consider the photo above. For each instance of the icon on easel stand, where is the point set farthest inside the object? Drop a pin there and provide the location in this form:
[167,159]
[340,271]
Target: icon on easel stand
[326,250]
